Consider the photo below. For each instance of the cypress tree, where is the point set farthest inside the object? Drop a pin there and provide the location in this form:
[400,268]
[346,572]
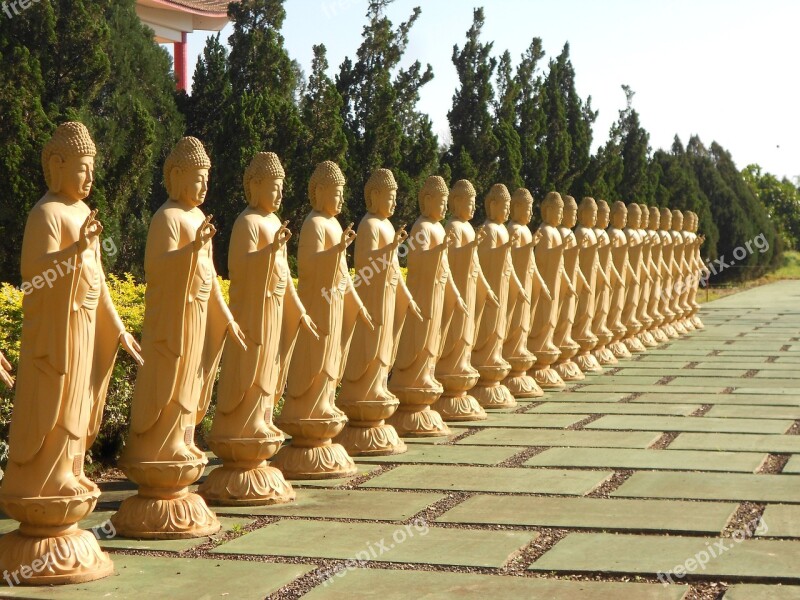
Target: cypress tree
[510,152]
[474,150]
[531,120]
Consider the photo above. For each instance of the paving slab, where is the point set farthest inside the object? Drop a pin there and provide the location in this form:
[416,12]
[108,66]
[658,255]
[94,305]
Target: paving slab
[781,520]
[418,543]
[490,479]
[572,438]
[711,486]
[454,432]
[736,382]
[425,585]
[609,379]
[682,373]
[793,466]
[453,454]
[344,504]
[581,395]
[735,442]
[734,399]
[789,390]
[627,458]
[362,469]
[615,408]
[173,578]
[657,389]
[754,591]
[650,555]
[526,420]
[770,373]
[755,411]
[696,424]
[593,513]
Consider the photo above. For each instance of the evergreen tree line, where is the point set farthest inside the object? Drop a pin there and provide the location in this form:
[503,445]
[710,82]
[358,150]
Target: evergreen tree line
[518,122]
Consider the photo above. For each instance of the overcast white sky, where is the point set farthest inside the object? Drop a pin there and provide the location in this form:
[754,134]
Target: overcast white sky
[723,69]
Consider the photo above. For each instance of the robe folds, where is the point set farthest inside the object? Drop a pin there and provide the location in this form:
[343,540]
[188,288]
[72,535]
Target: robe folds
[265,304]
[185,320]
[70,332]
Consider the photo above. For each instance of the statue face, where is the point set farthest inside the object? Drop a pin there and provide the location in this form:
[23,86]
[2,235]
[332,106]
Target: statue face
[522,213]
[435,206]
[267,193]
[643,221]
[602,219]
[464,207]
[619,219]
[589,216]
[384,202]
[330,199]
[500,210]
[192,185]
[76,175]
[570,216]
[553,215]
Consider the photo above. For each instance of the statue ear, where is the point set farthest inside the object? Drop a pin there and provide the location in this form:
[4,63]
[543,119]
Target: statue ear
[55,166]
[174,177]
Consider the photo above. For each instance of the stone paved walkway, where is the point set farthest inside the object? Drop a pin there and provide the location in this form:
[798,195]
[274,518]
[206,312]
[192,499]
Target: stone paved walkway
[663,466]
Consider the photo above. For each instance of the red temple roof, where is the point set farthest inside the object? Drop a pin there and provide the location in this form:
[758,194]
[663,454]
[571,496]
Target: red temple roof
[214,8]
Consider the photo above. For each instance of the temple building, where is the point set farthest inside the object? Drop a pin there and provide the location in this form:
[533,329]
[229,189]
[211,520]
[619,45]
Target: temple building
[173,20]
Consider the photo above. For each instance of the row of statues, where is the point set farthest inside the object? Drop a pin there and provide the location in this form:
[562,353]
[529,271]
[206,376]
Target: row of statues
[485,315]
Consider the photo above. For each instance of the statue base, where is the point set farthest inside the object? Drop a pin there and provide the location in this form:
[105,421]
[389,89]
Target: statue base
[660,336]
[518,382]
[647,340]
[493,395]
[687,324]
[633,344]
[159,514]
[71,556]
[164,509]
[678,326]
[262,485]
[370,439]
[245,479]
[547,378]
[414,417]
[459,408]
[698,324]
[569,371]
[48,545]
[619,350]
[588,363]
[522,386]
[325,461]
[605,357]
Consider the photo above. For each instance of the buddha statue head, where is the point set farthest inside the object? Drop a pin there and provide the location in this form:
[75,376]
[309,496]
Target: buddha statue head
[695,222]
[666,220]
[552,209]
[587,212]
[498,203]
[655,217]
[263,182]
[186,172]
[619,215]
[68,162]
[570,212]
[677,220]
[687,221]
[603,214]
[645,219]
[380,193]
[433,198]
[521,206]
[634,215]
[462,199]
[326,188]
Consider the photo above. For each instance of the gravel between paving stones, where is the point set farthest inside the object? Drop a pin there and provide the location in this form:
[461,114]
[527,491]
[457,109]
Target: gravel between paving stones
[773,464]
[664,441]
[584,422]
[702,410]
[520,458]
[666,379]
[743,520]
[631,397]
[470,431]
[611,484]
[706,591]
[794,429]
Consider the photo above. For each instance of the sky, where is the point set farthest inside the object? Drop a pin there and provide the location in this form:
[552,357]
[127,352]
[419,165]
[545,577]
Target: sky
[725,70]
